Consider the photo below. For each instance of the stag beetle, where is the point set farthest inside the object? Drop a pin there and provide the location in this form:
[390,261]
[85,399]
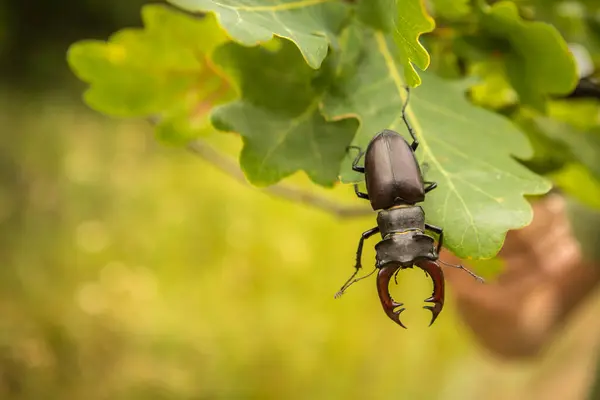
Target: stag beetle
[394,186]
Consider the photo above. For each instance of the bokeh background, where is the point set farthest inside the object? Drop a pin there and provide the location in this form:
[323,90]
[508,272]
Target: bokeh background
[131,270]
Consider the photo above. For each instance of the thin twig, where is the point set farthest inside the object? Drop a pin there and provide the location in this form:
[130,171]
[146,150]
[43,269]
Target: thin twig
[586,88]
[212,156]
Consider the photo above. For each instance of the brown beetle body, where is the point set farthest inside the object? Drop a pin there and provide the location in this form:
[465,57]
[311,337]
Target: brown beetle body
[394,186]
[392,173]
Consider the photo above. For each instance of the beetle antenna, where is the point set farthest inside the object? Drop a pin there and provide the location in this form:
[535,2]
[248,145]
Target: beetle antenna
[351,281]
[480,279]
[411,131]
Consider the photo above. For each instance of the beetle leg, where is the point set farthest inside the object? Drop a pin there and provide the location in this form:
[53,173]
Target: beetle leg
[358,265]
[355,166]
[480,279]
[351,282]
[359,193]
[440,232]
[432,185]
[437,297]
[415,142]
[389,305]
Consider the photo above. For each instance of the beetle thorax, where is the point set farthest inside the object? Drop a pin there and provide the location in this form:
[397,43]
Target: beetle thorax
[400,219]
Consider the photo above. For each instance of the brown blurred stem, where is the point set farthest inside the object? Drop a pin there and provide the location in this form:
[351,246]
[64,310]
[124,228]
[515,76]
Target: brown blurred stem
[546,278]
[223,163]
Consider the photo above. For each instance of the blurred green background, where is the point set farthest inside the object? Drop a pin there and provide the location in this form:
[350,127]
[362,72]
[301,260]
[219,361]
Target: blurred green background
[130,270]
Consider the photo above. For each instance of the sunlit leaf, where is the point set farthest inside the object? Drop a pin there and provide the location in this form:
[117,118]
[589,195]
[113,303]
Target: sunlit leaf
[469,150]
[278,116]
[412,20]
[161,70]
[310,24]
[406,20]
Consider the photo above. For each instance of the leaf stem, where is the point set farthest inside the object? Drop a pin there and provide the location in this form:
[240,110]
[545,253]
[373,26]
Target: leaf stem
[212,156]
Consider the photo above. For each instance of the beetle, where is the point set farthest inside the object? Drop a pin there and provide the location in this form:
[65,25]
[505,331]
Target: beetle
[395,186]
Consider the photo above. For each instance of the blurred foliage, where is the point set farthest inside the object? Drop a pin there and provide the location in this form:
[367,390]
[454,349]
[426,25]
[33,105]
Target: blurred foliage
[565,135]
[139,272]
[535,56]
[135,271]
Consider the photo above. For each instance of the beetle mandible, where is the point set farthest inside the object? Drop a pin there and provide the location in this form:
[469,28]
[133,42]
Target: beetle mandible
[395,185]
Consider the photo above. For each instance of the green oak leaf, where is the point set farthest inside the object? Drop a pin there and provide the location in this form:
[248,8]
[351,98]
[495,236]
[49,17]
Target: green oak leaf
[469,150]
[163,70]
[538,62]
[278,116]
[406,20]
[412,21]
[310,24]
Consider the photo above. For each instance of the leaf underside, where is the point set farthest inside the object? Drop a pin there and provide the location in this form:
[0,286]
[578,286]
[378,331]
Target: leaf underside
[310,24]
[282,127]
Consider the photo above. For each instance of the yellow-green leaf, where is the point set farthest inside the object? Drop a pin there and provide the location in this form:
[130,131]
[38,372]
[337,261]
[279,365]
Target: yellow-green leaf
[412,21]
[406,20]
[162,70]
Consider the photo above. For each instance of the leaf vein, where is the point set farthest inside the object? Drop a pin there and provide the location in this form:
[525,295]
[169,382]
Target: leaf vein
[293,124]
[276,7]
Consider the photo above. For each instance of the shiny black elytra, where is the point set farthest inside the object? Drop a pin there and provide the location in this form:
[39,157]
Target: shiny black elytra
[394,186]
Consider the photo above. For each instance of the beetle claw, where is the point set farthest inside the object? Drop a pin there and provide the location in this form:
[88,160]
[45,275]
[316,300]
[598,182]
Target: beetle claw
[437,297]
[436,309]
[396,318]
[390,306]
